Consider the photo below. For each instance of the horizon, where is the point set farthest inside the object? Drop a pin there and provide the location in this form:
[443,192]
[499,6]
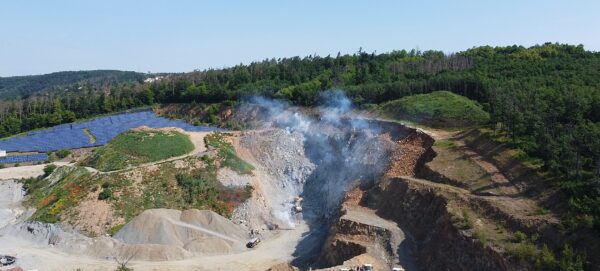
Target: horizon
[162,37]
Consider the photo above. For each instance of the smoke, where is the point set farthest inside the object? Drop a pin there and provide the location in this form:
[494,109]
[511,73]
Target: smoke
[344,147]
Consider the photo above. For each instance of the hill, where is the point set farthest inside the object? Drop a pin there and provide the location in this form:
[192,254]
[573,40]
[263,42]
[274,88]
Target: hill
[23,86]
[139,146]
[438,109]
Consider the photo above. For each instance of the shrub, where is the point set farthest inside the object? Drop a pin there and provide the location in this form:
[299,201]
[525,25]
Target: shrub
[105,194]
[49,169]
[525,251]
[520,237]
[546,260]
[481,237]
[62,153]
[570,260]
[467,220]
[2,166]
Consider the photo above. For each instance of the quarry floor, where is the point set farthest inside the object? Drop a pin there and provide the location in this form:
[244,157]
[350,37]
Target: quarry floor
[275,250]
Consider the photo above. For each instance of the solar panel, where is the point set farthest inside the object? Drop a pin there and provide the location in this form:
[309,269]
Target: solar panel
[23,158]
[70,136]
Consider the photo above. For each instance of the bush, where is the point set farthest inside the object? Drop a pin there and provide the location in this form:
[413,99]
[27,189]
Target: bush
[525,251]
[105,194]
[570,260]
[49,169]
[546,260]
[481,237]
[467,220]
[2,166]
[520,237]
[62,153]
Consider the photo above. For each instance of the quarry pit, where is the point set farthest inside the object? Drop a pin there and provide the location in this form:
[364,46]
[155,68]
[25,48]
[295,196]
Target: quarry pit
[330,189]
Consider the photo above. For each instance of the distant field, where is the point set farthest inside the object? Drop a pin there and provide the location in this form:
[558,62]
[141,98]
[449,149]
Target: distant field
[137,147]
[438,109]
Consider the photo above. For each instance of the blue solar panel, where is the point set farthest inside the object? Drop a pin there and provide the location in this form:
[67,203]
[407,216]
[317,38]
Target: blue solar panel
[23,158]
[71,136]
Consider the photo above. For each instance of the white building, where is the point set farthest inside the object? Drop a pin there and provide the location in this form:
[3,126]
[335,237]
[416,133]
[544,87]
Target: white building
[2,153]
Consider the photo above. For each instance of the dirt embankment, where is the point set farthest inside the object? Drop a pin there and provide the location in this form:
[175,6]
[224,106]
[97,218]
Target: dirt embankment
[423,212]
[427,217]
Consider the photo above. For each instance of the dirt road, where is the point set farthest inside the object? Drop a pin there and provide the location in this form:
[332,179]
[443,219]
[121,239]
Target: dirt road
[25,171]
[277,249]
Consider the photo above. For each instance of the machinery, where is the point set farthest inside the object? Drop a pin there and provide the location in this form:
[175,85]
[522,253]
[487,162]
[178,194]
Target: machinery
[7,260]
[253,242]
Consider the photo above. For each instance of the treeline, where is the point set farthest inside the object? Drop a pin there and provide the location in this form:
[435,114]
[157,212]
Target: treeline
[545,98]
[24,86]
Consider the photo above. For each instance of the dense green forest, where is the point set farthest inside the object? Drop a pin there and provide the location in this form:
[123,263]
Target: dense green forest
[545,98]
[24,86]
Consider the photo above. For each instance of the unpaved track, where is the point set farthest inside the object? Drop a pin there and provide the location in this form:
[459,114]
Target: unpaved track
[26,171]
[277,249]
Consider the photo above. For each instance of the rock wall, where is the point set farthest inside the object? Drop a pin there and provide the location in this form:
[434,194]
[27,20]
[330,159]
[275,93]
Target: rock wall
[423,213]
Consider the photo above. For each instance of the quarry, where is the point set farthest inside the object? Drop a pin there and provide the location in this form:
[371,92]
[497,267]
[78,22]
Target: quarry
[301,189]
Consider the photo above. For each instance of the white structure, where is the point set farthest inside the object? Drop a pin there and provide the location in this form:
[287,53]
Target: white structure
[2,153]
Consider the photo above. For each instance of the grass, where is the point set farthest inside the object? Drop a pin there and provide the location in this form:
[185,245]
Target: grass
[227,154]
[445,144]
[90,135]
[438,109]
[63,189]
[138,147]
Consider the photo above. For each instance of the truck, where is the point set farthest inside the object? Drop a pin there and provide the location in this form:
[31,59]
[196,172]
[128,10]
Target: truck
[7,260]
[253,242]
[298,204]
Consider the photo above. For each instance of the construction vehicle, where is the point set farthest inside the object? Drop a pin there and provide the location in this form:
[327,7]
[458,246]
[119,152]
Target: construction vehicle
[298,204]
[7,260]
[253,242]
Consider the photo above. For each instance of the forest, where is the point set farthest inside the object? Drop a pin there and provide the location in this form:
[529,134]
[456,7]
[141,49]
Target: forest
[544,99]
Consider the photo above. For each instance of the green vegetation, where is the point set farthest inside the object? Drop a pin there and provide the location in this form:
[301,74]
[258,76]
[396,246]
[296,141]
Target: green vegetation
[49,169]
[62,153]
[543,100]
[137,147]
[444,144]
[467,220]
[19,86]
[227,155]
[90,135]
[51,200]
[439,108]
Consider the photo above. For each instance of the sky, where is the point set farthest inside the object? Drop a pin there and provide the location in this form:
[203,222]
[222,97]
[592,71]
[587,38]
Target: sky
[44,36]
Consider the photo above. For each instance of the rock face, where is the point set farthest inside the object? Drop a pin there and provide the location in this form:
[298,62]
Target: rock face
[421,211]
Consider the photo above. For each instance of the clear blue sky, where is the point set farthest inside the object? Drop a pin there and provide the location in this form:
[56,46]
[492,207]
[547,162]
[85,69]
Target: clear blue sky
[175,36]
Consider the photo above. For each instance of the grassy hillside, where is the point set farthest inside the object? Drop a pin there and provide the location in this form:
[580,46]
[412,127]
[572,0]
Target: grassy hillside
[139,146]
[440,109]
[20,86]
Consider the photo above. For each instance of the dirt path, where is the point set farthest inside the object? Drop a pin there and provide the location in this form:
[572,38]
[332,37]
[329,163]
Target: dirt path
[274,250]
[25,171]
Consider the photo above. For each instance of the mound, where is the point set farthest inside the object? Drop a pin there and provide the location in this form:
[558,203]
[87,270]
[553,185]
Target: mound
[438,109]
[198,231]
[140,146]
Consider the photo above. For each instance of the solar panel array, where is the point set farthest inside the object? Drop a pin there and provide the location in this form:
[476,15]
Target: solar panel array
[23,158]
[72,136]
